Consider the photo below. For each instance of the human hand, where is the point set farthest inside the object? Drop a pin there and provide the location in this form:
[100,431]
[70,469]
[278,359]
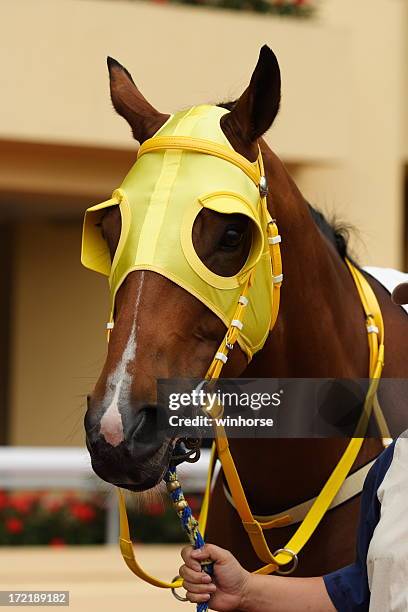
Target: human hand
[225,590]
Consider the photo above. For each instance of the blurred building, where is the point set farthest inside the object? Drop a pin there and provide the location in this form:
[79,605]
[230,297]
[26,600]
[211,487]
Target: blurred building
[342,131]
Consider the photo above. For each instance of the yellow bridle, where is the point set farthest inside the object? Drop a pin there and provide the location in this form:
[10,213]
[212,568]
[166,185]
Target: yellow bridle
[375,330]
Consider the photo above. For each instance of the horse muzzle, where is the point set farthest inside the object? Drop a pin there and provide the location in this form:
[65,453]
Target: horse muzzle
[139,459]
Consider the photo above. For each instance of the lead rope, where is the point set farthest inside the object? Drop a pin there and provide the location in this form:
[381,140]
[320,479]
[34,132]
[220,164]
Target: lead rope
[188,522]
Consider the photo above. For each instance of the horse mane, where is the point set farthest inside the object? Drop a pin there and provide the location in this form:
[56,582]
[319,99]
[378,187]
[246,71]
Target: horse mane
[336,232]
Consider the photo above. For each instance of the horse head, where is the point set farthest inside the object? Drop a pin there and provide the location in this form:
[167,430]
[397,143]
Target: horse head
[177,242]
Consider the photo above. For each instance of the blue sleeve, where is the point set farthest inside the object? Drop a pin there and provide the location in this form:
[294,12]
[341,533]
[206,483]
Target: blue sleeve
[348,586]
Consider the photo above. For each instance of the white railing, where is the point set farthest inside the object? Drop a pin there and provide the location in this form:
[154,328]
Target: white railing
[70,468]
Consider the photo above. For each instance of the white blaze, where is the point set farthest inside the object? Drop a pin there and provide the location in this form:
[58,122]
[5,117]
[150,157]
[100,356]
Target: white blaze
[118,387]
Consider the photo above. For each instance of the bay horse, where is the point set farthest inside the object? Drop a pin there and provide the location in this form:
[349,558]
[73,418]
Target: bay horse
[163,331]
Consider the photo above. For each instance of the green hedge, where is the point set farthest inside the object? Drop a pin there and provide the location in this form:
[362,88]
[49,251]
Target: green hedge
[296,8]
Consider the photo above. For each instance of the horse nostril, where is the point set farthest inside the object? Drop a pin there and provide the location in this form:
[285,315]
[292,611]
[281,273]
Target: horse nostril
[88,401]
[92,428]
[146,429]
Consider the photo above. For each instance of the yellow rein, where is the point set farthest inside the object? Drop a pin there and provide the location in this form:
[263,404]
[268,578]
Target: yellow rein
[375,329]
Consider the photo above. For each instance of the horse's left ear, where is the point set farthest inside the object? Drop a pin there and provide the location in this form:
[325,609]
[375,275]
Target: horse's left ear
[130,103]
[255,111]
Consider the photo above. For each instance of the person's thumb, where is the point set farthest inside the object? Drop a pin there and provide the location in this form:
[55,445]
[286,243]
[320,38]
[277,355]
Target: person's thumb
[209,551]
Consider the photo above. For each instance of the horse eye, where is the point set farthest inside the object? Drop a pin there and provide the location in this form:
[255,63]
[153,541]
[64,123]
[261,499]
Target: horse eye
[232,238]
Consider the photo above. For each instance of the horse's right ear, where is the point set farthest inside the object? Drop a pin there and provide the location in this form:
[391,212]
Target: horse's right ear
[255,111]
[130,104]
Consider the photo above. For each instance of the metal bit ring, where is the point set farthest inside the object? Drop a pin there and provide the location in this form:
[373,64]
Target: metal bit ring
[174,592]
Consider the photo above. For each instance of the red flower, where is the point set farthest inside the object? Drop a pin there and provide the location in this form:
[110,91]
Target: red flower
[53,505]
[57,542]
[83,512]
[3,500]
[22,503]
[14,525]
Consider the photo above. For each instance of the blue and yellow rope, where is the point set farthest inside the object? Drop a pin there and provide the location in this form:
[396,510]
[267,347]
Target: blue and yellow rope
[188,522]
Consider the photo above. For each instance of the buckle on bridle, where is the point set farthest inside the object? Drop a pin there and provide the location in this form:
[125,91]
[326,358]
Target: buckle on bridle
[294,561]
[263,187]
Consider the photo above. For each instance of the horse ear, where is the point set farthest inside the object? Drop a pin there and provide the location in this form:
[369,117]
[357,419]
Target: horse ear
[130,104]
[400,294]
[255,111]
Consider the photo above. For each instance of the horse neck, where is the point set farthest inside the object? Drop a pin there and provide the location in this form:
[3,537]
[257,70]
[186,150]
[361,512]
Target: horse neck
[320,333]
[320,330]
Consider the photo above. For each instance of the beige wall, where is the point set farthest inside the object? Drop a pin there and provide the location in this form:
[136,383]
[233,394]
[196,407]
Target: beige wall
[344,92]
[342,126]
[53,180]
[371,187]
[59,335]
[57,85]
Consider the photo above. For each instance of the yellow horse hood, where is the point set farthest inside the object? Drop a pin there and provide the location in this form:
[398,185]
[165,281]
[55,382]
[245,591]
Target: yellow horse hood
[173,179]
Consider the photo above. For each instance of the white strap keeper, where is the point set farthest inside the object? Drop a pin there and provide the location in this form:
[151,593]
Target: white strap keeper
[110,325]
[275,239]
[237,323]
[221,357]
[243,300]
[278,278]
[372,329]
